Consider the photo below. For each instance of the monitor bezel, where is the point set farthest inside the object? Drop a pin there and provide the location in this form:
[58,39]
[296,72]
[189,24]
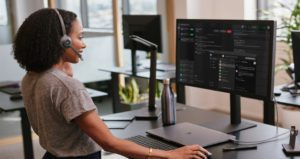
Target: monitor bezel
[295,37]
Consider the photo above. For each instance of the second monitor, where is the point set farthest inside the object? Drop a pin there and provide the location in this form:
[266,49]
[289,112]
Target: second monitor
[147,27]
[144,26]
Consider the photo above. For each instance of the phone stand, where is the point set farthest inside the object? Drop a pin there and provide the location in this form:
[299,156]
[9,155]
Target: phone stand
[292,147]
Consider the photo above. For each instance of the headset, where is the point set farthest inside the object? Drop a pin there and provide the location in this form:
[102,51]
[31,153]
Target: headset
[65,40]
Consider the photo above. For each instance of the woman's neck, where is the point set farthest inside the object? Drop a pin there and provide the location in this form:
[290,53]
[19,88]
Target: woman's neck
[66,67]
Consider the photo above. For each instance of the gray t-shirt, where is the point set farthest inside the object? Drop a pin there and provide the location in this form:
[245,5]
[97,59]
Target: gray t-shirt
[52,100]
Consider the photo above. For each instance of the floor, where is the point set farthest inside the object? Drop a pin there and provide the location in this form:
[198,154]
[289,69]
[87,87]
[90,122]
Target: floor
[11,145]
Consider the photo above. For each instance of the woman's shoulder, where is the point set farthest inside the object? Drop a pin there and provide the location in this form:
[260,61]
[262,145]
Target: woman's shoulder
[56,77]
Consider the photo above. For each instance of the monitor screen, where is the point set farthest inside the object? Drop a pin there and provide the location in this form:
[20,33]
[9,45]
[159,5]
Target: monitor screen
[144,26]
[234,56]
[296,54]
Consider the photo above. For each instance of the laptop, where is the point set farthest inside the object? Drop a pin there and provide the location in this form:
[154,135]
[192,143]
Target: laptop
[188,134]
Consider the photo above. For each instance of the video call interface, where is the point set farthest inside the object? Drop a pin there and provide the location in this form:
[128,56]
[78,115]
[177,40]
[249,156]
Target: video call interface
[231,57]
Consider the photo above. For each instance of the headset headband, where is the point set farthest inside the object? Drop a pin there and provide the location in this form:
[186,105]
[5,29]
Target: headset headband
[61,22]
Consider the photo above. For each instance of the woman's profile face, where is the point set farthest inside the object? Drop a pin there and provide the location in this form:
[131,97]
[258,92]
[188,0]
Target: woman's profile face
[76,36]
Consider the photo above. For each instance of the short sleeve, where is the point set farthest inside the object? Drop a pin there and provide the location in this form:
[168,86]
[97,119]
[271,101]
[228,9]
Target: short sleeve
[76,103]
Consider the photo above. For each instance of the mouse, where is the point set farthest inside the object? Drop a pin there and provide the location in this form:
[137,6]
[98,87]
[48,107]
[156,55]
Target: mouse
[15,97]
[208,156]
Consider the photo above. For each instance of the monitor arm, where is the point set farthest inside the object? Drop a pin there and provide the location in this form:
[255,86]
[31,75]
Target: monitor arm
[145,42]
[153,50]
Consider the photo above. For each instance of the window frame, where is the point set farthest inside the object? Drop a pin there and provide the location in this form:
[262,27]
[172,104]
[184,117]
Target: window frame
[92,32]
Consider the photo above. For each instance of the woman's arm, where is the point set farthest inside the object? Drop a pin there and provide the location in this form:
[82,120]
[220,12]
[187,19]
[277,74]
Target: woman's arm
[91,124]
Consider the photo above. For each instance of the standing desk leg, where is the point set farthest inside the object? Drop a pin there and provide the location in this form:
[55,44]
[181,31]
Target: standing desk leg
[115,92]
[26,133]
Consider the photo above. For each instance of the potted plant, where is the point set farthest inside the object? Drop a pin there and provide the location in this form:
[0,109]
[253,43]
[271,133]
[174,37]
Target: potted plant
[287,23]
[133,96]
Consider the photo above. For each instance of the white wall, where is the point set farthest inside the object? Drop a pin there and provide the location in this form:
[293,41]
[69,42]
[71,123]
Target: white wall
[9,68]
[99,53]
[215,9]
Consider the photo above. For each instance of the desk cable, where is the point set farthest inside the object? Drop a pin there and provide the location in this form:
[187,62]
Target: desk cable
[276,111]
[274,138]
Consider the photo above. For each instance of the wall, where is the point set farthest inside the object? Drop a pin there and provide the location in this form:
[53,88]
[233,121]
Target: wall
[6,29]
[99,53]
[9,68]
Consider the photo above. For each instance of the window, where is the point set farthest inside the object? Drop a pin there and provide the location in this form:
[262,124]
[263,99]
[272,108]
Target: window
[142,7]
[279,10]
[3,13]
[98,14]
[94,14]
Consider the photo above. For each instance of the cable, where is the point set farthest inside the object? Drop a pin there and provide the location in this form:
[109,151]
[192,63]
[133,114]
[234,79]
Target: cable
[276,111]
[274,138]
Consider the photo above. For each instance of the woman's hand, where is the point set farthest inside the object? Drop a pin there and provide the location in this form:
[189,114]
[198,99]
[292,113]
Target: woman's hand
[189,152]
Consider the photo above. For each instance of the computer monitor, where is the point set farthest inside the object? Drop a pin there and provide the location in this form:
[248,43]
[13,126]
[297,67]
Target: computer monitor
[296,56]
[234,56]
[145,26]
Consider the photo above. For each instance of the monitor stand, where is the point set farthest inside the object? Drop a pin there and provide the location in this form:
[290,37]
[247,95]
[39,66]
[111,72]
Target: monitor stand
[292,85]
[293,89]
[146,114]
[235,124]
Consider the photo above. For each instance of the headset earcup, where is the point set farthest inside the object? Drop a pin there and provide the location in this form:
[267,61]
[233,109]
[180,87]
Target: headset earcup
[66,42]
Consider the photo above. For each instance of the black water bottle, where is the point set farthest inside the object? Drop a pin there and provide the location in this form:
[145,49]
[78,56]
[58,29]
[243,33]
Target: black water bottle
[168,104]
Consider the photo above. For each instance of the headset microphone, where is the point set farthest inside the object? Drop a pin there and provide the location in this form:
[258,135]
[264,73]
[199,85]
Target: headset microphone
[65,40]
[77,53]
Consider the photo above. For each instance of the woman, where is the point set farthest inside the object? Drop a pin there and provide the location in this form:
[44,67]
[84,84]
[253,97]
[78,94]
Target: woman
[58,106]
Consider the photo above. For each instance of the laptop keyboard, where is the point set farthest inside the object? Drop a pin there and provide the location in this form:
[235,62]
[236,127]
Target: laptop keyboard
[151,142]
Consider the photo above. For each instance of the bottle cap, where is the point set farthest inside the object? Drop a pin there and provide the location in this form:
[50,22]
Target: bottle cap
[167,81]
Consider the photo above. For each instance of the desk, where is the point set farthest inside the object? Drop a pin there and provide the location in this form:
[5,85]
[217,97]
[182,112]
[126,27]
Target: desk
[115,71]
[287,98]
[95,93]
[8,105]
[202,117]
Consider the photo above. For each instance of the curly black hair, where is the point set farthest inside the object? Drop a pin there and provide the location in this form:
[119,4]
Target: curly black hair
[36,45]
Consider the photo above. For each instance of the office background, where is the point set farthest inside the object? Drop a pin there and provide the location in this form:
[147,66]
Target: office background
[101,49]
